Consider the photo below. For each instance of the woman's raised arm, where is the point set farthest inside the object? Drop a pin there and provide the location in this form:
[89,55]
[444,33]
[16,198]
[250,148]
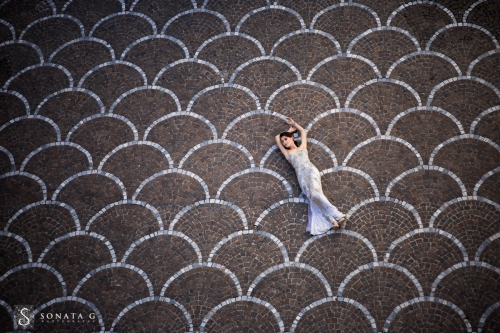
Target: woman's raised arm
[302,132]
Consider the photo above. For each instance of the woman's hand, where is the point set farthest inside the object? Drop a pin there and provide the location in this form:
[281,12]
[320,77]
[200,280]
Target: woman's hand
[290,122]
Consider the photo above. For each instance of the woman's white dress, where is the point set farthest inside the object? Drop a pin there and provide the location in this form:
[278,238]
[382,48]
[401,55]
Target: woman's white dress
[321,211]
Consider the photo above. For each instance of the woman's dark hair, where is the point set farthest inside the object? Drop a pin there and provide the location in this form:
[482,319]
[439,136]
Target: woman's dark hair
[290,135]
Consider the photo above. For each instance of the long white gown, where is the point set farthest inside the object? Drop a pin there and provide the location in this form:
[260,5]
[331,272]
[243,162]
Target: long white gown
[321,212]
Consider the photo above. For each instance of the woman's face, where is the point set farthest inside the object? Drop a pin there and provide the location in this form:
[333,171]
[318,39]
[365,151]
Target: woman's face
[287,142]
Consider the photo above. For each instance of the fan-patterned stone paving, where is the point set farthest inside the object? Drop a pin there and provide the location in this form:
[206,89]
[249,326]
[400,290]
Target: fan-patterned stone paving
[140,179]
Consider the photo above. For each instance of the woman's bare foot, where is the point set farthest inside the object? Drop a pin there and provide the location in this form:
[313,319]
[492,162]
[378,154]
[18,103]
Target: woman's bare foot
[336,226]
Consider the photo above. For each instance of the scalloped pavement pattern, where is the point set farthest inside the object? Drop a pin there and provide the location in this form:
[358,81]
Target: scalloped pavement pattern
[140,180]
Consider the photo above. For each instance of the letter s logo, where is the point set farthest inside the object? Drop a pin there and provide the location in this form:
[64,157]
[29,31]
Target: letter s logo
[26,321]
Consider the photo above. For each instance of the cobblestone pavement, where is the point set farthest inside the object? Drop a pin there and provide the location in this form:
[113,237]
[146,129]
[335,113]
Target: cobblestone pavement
[140,180]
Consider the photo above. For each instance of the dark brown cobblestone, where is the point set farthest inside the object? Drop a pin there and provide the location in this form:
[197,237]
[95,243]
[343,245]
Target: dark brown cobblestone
[492,323]
[383,101]
[125,224]
[112,81]
[222,106]
[472,222]
[207,225]
[166,53]
[384,48]
[307,9]
[486,14]
[15,58]
[200,290]
[122,30]
[289,290]
[6,322]
[346,189]
[243,317]
[11,107]
[423,73]
[96,136]
[112,289]
[383,8]
[77,256]
[138,83]
[306,102]
[89,12]
[382,223]
[154,316]
[426,191]
[424,130]
[334,317]
[257,77]
[422,21]
[258,141]
[269,25]
[194,28]
[288,223]
[341,132]
[343,75]
[248,255]
[55,164]
[237,9]
[41,225]
[345,23]
[475,158]
[187,79]
[32,285]
[474,288]
[383,160]
[13,253]
[428,317]
[254,193]
[161,257]
[490,254]
[80,57]
[337,255]
[170,193]
[134,164]
[305,50]
[143,107]
[39,82]
[458,8]
[489,127]
[88,194]
[489,188]
[486,69]
[67,109]
[21,13]
[371,288]
[161,11]
[215,163]
[26,135]
[229,52]
[5,33]
[463,45]
[52,33]
[465,100]
[424,255]
[179,134]
[5,164]
[16,192]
